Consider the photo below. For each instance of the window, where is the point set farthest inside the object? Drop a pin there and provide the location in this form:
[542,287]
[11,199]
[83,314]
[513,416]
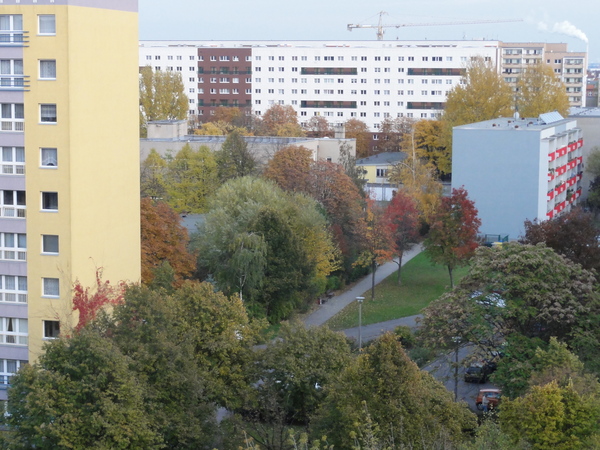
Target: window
[50,243]
[12,115]
[13,289]
[13,248]
[51,329]
[381,172]
[13,204]
[11,23]
[48,69]
[47,24]
[50,201]
[50,287]
[13,159]
[48,113]
[9,367]
[13,331]
[11,71]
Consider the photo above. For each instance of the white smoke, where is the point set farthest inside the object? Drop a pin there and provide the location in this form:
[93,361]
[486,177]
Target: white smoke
[566,28]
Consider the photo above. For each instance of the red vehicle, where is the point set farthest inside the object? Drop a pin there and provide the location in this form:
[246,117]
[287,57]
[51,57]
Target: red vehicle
[493,395]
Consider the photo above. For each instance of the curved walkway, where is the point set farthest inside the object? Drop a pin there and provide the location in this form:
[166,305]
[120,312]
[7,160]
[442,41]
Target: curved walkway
[339,302]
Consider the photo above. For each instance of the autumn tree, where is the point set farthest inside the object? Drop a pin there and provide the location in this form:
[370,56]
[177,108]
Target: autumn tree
[452,237]
[540,91]
[403,220]
[377,241]
[318,127]
[234,159]
[290,168]
[393,132]
[356,173]
[163,239]
[418,179]
[192,176]
[280,120]
[592,167]
[162,96]
[88,302]
[428,141]
[81,393]
[357,129]
[573,235]
[152,176]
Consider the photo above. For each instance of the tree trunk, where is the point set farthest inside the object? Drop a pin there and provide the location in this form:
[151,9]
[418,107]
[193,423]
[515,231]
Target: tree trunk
[373,281]
[399,268]
[451,279]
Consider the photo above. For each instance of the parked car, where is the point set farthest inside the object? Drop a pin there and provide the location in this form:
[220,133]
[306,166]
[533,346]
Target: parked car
[493,395]
[479,372]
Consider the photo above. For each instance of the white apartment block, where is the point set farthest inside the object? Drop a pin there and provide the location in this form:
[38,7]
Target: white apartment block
[518,169]
[339,80]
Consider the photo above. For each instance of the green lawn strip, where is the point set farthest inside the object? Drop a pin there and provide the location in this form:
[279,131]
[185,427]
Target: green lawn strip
[422,283]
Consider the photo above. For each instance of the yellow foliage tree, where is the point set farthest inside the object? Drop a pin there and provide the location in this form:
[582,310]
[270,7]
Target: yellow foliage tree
[540,91]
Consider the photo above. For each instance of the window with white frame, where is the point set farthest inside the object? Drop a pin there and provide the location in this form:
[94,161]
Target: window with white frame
[50,244]
[49,157]
[49,201]
[13,204]
[13,160]
[13,247]
[381,173]
[48,113]
[13,289]
[47,24]
[11,28]
[51,329]
[8,367]
[50,287]
[12,116]
[11,73]
[47,69]
[13,331]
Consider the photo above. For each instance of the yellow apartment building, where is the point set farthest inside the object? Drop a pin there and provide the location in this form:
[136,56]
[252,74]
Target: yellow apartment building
[69,178]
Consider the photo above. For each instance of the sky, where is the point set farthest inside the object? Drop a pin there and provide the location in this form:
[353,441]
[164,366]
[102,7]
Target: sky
[573,22]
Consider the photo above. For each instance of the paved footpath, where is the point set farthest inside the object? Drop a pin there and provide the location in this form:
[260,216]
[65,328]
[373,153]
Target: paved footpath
[339,302]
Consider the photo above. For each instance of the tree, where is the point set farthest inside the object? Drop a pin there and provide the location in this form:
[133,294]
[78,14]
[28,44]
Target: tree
[378,241]
[573,235]
[80,394]
[269,246]
[429,145]
[163,239]
[318,127]
[408,408]
[192,177]
[393,132]
[357,129]
[162,96]
[539,91]
[234,159]
[290,168]
[403,219]
[152,176]
[551,416]
[356,173]
[452,238]
[281,121]
[419,181]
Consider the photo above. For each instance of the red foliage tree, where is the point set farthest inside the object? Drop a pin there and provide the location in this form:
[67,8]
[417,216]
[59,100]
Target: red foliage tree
[403,219]
[452,238]
[88,303]
[163,239]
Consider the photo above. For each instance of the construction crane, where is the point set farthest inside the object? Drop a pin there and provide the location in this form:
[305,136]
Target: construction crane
[380,26]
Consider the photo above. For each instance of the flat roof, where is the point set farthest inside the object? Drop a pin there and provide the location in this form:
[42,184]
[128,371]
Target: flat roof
[505,123]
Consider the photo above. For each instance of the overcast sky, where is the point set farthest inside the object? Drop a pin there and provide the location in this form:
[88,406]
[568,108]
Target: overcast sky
[573,21]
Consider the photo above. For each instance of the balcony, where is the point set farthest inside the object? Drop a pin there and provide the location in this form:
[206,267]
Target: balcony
[14,38]
[13,169]
[551,156]
[13,212]
[12,125]
[14,82]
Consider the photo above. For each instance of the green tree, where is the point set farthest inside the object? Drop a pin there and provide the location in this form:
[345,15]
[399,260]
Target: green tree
[408,407]
[452,237]
[162,96]
[192,177]
[80,394]
[540,91]
[152,176]
[551,416]
[234,159]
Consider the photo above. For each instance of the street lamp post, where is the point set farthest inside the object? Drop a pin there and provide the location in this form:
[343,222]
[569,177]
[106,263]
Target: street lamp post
[360,301]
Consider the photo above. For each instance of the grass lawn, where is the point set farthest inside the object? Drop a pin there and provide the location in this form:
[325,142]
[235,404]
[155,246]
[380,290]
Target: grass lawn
[422,283]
